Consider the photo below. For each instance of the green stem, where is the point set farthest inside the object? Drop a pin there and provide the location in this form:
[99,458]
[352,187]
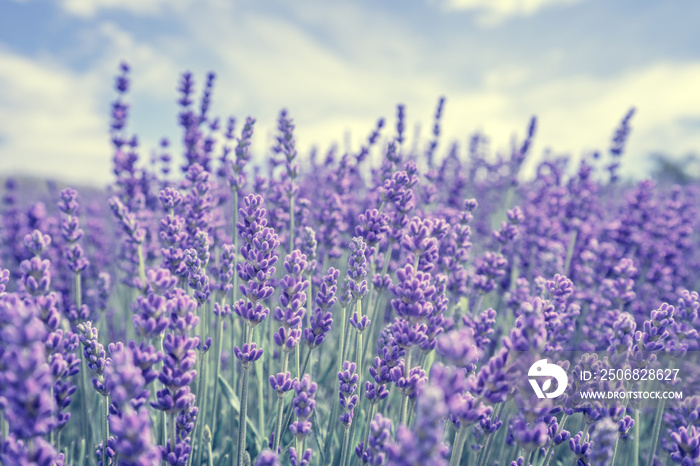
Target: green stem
[458,446]
[346,444]
[278,423]
[550,449]
[486,451]
[334,408]
[297,361]
[291,224]
[210,454]
[171,429]
[375,322]
[656,431]
[531,457]
[233,300]
[261,401]
[280,406]
[570,252]
[617,443]
[204,401]
[358,355]
[142,266]
[217,370]
[404,398]
[105,428]
[78,291]
[243,416]
[82,385]
[367,430]
[635,450]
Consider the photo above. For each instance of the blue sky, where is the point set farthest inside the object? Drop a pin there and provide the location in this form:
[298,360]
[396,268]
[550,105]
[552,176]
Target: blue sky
[339,65]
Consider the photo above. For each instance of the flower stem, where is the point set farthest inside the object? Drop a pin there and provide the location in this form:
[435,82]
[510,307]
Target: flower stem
[280,407]
[291,224]
[105,428]
[570,252]
[458,446]
[234,237]
[171,430]
[404,399]
[367,430]
[261,401]
[656,431]
[635,450]
[359,357]
[243,416]
[346,442]
[217,370]
[142,266]
[203,404]
[334,408]
[617,443]
[550,449]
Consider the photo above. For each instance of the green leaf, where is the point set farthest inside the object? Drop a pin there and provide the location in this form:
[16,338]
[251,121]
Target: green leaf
[235,403]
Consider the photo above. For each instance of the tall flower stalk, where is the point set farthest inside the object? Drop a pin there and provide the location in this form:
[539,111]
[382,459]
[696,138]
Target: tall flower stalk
[259,252]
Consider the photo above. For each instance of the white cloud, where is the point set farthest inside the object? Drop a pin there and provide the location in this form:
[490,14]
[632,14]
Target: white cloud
[50,122]
[492,12]
[88,8]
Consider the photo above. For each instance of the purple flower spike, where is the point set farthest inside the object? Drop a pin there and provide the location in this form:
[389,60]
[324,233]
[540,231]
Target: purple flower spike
[251,313]
[304,400]
[37,242]
[134,441]
[603,441]
[282,382]
[348,384]
[150,319]
[411,384]
[359,323]
[268,458]
[292,300]
[357,268]
[373,227]
[530,436]
[25,376]
[248,354]
[303,461]
[321,319]
[123,379]
[374,453]
[413,294]
[419,240]
[685,445]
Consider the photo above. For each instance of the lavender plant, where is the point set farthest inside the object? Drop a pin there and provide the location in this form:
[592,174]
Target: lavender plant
[423,287]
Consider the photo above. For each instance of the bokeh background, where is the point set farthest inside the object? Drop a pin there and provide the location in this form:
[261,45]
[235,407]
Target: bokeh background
[338,66]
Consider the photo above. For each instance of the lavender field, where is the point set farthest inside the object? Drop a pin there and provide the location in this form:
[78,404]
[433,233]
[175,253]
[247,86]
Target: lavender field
[407,303]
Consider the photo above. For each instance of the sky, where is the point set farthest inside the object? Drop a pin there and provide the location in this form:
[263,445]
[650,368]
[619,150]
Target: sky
[339,65]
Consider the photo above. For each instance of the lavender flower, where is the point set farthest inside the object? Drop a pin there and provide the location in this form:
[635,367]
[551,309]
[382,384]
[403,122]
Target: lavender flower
[321,320]
[292,300]
[134,441]
[348,384]
[603,442]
